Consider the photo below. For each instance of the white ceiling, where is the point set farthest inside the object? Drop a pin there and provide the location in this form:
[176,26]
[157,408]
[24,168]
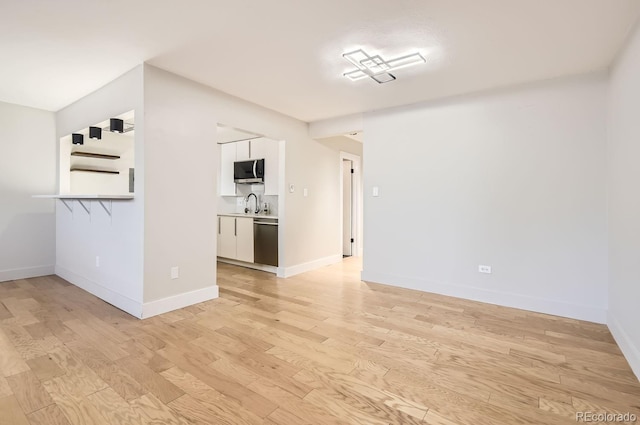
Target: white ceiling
[286,54]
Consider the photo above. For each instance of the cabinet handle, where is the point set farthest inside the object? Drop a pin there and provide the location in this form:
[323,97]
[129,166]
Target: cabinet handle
[249,149]
[218,224]
[235,227]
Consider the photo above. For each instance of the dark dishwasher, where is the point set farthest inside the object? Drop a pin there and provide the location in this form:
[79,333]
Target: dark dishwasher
[265,241]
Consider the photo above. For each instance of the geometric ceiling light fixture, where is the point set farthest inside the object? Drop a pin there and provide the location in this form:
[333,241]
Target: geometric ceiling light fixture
[95,133]
[377,68]
[116,125]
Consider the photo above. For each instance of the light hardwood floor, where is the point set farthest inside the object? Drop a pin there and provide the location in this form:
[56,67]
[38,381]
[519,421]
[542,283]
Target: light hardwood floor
[318,348]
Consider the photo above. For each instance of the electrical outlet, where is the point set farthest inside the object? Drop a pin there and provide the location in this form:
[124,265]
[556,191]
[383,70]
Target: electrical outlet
[484,269]
[97,261]
[240,202]
[175,272]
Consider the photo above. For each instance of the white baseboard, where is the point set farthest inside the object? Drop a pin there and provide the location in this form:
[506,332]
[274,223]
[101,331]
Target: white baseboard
[255,266]
[311,265]
[175,302]
[124,303]
[524,302]
[630,350]
[26,273]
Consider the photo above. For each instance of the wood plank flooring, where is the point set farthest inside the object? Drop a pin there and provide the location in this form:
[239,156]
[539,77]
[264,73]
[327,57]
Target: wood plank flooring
[318,348]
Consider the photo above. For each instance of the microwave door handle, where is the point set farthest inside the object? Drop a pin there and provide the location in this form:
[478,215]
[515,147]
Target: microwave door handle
[255,174]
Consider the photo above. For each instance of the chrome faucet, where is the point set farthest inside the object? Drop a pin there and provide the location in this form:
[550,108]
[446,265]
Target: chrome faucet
[248,202]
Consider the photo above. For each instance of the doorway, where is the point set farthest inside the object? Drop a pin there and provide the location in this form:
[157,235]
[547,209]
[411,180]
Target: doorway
[347,208]
[350,205]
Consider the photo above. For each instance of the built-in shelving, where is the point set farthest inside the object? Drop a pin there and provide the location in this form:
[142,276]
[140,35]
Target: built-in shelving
[93,170]
[95,155]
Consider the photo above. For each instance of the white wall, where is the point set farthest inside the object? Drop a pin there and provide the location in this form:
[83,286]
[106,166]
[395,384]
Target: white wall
[117,240]
[27,167]
[344,144]
[181,159]
[624,201]
[513,179]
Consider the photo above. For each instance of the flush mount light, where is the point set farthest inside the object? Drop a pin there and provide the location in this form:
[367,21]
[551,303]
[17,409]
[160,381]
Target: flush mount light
[77,139]
[377,68]
[95,133]
[116,125]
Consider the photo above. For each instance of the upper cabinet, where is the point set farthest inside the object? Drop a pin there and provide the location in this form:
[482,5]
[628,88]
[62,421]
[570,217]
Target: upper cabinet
[245,150]
[268,150]
[226,186]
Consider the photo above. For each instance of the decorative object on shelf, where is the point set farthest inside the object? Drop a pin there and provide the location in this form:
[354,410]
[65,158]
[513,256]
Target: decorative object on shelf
[377,68]
[95,133]
[77,139]
[116,125]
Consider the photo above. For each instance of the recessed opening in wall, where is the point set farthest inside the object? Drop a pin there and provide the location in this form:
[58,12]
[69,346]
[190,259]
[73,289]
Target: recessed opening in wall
[102,165]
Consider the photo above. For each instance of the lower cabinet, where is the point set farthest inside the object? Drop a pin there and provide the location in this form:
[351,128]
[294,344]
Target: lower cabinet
[235,238]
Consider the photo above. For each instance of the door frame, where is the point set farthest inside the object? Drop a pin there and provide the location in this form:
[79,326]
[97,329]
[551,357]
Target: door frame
[356,207]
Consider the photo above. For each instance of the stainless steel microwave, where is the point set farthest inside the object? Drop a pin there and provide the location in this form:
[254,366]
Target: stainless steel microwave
[248,171]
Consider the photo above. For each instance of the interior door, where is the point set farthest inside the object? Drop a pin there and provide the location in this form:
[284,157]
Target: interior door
[347,209]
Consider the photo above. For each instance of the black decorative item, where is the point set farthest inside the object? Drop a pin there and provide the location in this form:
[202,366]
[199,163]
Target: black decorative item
[77,139]
[116,125]
[95,133]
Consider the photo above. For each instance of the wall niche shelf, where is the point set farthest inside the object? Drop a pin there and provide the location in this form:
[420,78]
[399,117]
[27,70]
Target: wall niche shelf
[95,155]
[93,170]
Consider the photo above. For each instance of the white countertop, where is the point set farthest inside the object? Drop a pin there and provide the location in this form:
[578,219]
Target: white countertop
[249,215]
[68,196]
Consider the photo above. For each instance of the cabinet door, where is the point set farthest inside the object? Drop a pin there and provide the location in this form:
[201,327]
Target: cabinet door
[242,150]
[258,148]
[244,247]
[226,186]
[227,237]
[271,170]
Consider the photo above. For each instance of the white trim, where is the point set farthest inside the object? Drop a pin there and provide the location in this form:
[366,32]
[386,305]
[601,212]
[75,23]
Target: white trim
[255,266]
[629,349]
[26,273]
[524,302]
[175,302]
[311,265]
[120,301]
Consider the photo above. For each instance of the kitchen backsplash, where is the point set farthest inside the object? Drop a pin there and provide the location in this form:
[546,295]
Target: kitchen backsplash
[229,204]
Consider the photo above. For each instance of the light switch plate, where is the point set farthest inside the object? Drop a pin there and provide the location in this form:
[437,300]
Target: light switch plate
[305,192]
[376,191]
[175,272]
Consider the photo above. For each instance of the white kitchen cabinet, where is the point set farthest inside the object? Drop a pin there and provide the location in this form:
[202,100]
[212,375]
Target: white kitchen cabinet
[235,238]
[243,150]
[259,148]
[267,149]
[227,237]
[226,186]
[244,239]
[271,167]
